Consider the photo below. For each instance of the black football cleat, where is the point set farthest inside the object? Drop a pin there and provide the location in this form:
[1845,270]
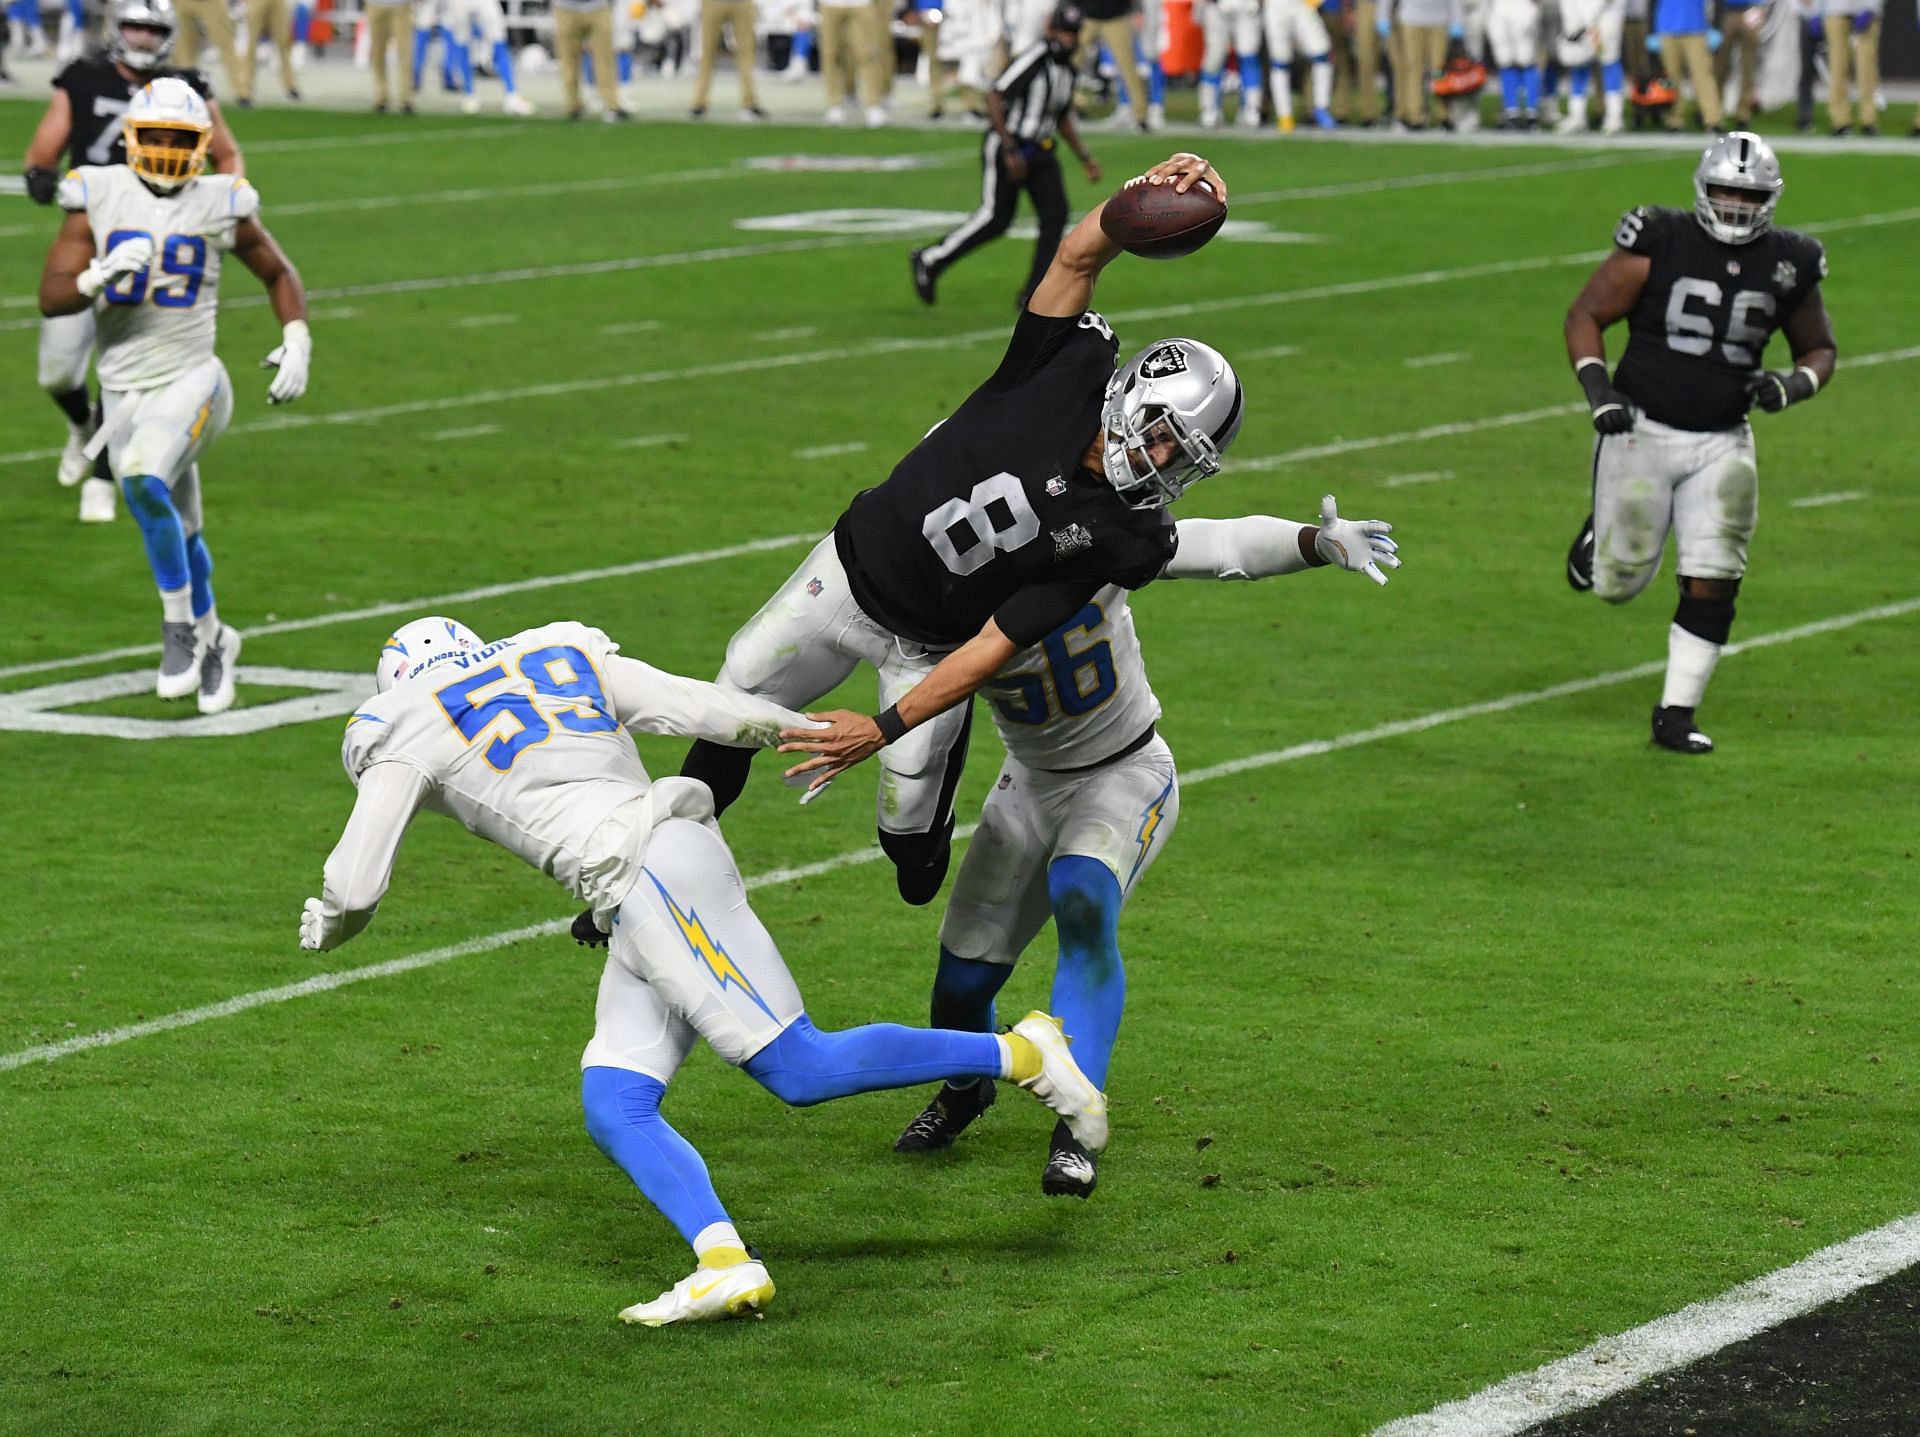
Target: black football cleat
[945,1118]
[587,933]
[1070,1171]
[1580,559]
[922,278]
[1673,729]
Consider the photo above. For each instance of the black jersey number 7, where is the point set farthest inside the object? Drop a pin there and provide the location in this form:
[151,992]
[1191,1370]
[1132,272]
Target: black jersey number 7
[994,518]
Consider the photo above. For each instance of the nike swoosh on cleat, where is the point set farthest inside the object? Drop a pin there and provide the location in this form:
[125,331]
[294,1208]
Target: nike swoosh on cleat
[694,1294]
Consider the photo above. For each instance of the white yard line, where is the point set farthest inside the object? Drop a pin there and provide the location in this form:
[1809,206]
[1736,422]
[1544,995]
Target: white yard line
[633,326]
[471,431]
[650,441]
[436,602]
[1427,361]
[1442,177]
[1820,501]
[1407,436]
[827,451]
[1398,729]
[1614,1364]
[485,321]
[796,331]
[1429,476]
[1277,351]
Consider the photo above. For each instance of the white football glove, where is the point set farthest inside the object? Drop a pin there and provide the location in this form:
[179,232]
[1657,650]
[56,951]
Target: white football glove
[316,935]
[130,256]
[291,358]
[1360,545]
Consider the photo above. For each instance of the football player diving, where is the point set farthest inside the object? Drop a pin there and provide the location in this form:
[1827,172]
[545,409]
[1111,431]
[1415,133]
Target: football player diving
[526,742]
[1702,293]
[1086,801]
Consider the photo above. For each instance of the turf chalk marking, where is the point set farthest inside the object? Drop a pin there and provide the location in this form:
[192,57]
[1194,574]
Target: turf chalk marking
[1401,728]
[1820,501]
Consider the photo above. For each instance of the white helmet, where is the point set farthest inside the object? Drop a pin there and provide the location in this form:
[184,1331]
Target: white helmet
[167,129]
[1179,391]
[1740,161]
[151,15]
[418,646]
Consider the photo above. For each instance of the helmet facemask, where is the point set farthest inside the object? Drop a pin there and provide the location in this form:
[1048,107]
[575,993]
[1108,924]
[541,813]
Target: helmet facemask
[141,45]
[1130,464]
[1170,412]
[166,153]
[1736,187]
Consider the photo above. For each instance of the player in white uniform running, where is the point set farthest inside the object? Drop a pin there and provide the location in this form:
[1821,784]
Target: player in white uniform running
[526,742]
[1294,27]
[141,246]
[1084,804]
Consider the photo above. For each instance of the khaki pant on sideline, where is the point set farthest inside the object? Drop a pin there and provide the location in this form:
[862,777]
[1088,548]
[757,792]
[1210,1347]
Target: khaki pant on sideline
[1117,35]
[880,48]
[592,31]
[1860,53]
[1688,55]
[1356,66]
[1419,53]
[199,22]
[845,31]
[267,17]
[390,26]
[716,16]
[1738,36]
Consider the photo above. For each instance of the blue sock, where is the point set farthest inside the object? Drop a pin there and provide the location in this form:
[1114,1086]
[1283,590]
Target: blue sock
[802,47]
[964,990]
[1613,77]
[586,67]
[200,573]
[421,40]
[503,65]
[1157,84]
[1531,79]
[1250,78]
[79,13]
[1579,81]
[152,509]
[462,66]
[623,62]
[1090,985]
[804,1065]
[623,1118]
[1510,88]
[1212,82]
[302,19]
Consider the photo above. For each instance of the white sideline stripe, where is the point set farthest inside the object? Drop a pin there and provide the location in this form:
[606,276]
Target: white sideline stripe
[827,451]
[1614,1364]
[1442,177]
[321,983]
[1427,361]
[472,431]
[1430,476]
[484,321]
[407,137]
[636,326]
[436,602]
[650,441]
[796,331]
[1820,501]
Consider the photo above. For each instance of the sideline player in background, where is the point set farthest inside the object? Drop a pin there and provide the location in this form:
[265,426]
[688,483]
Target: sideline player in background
[141,248]
[1702,293]
[525,742]
[1086,801]
[1048,483]
[1029,104]
[82,121]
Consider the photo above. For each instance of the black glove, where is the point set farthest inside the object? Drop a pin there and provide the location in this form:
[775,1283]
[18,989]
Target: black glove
[41,184]
[1773,391]
[1612,410]
[587,933]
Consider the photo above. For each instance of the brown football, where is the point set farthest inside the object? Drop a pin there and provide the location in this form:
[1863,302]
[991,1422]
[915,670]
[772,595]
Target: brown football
[1154,222]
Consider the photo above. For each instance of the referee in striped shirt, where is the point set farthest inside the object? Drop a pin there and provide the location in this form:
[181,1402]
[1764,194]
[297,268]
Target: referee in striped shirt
[1029,105]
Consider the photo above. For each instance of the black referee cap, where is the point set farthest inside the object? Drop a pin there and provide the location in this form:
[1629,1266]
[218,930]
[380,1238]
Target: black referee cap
[1066,18]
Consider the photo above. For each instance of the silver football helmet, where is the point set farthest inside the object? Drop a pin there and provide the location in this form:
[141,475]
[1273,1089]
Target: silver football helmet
[1176,392]
[416,647]
[1740,161]
[155,15]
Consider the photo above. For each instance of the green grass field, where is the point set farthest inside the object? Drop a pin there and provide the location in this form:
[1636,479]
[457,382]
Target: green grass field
[1448,1050]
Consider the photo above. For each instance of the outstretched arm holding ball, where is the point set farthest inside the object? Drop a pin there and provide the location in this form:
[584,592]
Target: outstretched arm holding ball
[1067,287]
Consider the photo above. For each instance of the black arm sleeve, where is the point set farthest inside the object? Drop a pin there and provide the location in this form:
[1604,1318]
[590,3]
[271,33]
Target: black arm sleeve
[1037,338]
[1037,610]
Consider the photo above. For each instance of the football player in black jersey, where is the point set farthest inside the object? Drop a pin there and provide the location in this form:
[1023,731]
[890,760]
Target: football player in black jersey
[82,123]
[1702,293]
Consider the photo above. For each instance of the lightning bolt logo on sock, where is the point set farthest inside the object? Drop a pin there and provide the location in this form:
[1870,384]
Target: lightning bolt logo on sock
[707,949]
[1150,822]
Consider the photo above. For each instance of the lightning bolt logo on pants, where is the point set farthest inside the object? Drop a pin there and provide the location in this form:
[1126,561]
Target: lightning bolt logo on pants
[1149,825]
[705,947]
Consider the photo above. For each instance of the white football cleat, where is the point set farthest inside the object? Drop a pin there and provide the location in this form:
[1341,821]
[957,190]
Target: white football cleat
[836,115]
[876,116]
[180,654]
[97,503]
[710,1294]
[1575,123]
[218,673]
[74,463]
[516,105]
[1061,1085]
[470,104]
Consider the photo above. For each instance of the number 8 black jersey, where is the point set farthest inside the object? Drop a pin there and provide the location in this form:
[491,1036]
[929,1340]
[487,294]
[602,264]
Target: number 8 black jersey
[991,516]
[1704,318]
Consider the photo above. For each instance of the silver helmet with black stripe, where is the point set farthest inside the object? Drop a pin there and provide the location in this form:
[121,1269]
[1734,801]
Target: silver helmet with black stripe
[1744,170]
[140,15]
[1170,414]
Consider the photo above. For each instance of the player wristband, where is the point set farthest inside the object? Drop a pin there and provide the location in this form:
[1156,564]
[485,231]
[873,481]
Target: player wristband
[892,727]
[1813,380]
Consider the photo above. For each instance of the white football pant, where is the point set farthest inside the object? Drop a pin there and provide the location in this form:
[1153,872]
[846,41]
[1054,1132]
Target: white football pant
[1513,33]
[66,349]
[1703,487]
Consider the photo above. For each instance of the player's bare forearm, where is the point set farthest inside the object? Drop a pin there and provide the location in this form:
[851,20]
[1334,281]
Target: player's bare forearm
[1809,333]
[256,249]
[997,116]
[51,135]
[959,676]
[1067,287]
[1608,297]
[222,148]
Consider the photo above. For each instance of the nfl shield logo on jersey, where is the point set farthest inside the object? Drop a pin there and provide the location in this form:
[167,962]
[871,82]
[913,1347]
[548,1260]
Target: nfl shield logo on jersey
[1785,275]
[1056,486]
[814,586]
[1168,359]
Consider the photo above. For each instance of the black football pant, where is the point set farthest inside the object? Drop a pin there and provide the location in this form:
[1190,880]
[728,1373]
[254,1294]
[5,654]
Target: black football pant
[999,198]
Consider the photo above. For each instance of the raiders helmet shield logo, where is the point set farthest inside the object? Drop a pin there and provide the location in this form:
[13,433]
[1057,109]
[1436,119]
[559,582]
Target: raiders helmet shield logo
[1167,359]
[1785,274]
